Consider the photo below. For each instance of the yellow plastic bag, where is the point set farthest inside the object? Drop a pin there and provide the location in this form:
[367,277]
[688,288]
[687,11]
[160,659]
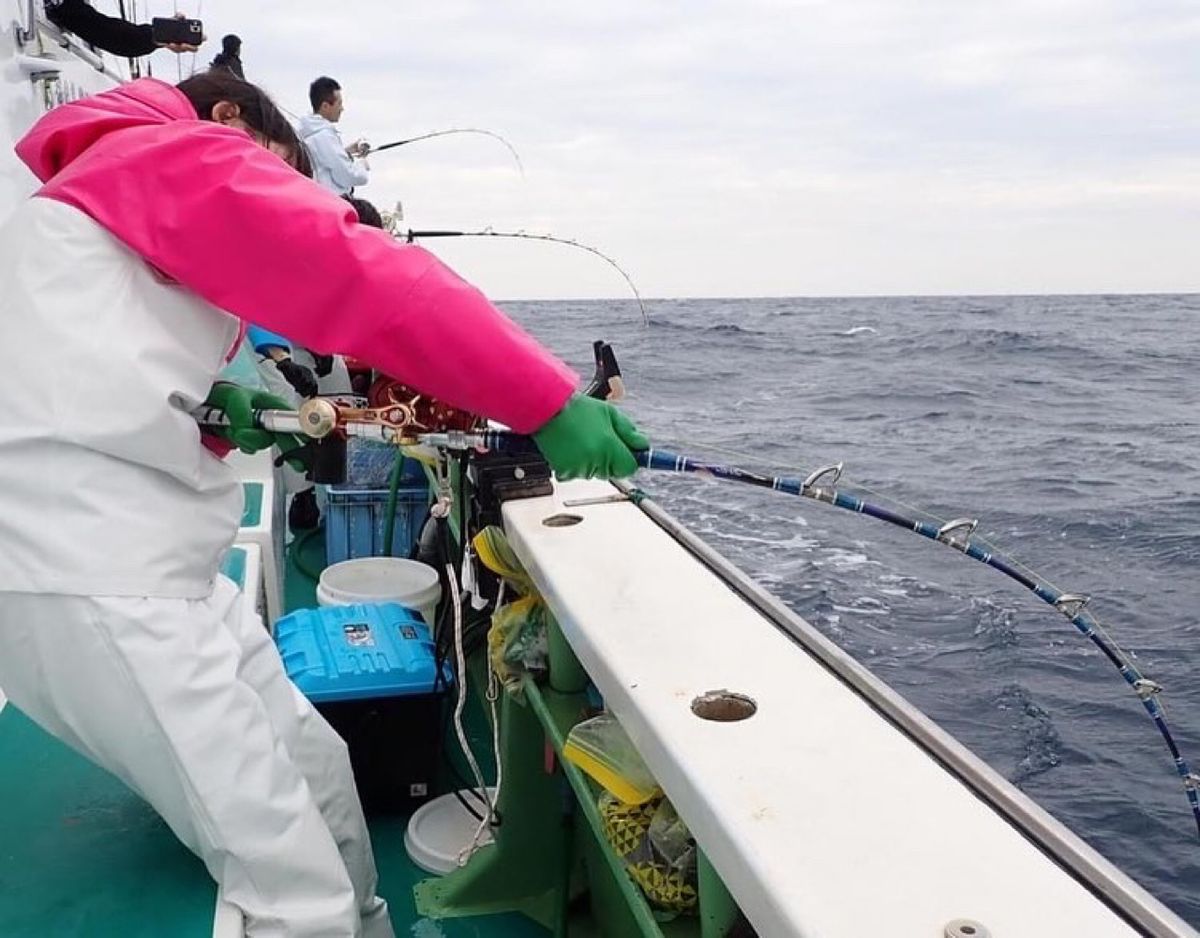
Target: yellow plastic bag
[601,748]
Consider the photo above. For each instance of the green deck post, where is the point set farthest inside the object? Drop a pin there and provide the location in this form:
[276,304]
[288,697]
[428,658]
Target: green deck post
[617,901]
[718,911]
[567,675]
[521,871]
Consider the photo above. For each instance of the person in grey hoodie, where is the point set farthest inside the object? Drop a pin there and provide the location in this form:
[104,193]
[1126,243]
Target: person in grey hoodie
[335,165]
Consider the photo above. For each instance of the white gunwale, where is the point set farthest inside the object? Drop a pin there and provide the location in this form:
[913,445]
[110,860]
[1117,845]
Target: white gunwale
[820,814]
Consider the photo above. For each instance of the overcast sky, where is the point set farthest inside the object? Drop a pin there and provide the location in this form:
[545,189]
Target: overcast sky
[767,147]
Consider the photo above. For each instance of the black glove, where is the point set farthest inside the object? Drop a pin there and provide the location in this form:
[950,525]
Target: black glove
[300,457]
[323,365]
[298,376]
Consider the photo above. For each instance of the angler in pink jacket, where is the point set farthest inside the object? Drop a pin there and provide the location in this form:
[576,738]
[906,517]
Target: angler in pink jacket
[166,219]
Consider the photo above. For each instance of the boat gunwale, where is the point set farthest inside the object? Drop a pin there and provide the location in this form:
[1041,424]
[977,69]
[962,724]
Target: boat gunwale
[1132,902]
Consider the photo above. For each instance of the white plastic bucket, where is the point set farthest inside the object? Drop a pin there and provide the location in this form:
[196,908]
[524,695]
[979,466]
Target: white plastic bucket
[441,829]
[381,580]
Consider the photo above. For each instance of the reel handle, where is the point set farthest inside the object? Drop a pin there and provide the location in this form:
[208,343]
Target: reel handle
[606,383]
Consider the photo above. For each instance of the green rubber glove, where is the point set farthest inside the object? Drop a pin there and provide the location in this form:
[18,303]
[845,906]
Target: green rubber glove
[590,439]
[239,404]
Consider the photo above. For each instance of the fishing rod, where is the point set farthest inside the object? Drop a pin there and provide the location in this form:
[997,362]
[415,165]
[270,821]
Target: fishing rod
[404,416]
[410,236]
[418,421]
[820,486]
[453,130]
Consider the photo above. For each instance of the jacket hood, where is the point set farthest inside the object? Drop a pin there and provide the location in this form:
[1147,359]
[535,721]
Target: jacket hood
[311,124]
[66,132]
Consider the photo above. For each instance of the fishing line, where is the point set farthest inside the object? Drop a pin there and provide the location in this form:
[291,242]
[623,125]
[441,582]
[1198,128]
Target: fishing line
[820,485]
[410,236]
[318,418]
[884,496]
[454,130]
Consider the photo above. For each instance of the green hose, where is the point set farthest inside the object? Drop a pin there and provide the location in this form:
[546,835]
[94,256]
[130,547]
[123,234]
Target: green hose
[296,549]
[389,527]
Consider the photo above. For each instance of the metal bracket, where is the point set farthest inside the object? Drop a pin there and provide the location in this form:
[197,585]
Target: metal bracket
[958,524]
[1146,688]
[39,68]
[445,492]
[1071,604]
[598,500]
[27,32]
[813,478]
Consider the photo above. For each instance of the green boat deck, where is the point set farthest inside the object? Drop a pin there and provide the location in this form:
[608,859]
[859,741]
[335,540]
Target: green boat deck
[82,856]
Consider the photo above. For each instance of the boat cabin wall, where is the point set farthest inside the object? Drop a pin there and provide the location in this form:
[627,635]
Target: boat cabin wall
[37,72]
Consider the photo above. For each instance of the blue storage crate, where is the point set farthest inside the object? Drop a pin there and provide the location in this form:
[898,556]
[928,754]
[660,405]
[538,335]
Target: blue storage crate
[355,519]
[369,464]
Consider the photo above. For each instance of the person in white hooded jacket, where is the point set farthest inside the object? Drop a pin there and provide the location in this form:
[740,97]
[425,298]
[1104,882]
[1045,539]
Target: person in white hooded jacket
[166,221]
[335,165]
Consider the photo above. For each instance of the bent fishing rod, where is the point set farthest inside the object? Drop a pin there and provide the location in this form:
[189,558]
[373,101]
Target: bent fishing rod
[412,235]
[442,133]
[820,486]
[318,418]
[407,421]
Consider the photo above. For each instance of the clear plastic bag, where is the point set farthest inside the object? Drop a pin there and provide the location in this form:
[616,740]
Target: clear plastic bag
[517,642]
[601,748]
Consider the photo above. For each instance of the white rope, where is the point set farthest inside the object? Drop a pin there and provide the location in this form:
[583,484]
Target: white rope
[493,694]
[459,704]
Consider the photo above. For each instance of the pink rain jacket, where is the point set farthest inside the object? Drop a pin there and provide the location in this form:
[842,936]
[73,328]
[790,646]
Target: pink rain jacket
[128,277]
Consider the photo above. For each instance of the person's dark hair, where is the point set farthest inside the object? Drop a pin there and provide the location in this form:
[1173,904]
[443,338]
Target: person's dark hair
[368,214]
[231,45]
[303,162]
[321,92]
[207,89]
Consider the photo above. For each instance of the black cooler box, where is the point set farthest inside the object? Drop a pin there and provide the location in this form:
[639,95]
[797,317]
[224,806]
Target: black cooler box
[370,671]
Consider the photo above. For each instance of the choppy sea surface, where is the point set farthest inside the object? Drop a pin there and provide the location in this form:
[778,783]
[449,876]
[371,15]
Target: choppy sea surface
[1068,425]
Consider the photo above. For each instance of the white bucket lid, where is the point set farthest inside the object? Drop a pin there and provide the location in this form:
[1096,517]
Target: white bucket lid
[439,830]
[377,579]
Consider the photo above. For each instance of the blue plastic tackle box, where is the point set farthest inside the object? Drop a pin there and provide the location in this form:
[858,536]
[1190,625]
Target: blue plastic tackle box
[371,672]
[356,520]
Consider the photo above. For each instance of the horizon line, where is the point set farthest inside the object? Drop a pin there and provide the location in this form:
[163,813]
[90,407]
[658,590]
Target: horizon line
[845,296]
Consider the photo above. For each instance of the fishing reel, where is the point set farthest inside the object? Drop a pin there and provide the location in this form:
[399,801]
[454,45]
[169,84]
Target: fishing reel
[399,414]
[394,412]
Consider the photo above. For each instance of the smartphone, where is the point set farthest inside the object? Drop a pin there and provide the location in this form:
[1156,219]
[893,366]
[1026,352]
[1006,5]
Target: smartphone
[170,30]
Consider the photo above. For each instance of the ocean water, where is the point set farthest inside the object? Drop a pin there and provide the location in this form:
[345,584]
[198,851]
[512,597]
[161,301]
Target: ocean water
[1068,425]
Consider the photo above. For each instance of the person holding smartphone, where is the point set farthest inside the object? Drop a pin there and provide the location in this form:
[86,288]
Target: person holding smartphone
[111,33]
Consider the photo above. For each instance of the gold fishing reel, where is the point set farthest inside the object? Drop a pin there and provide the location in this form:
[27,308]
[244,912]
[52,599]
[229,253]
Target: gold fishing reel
[395,410]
